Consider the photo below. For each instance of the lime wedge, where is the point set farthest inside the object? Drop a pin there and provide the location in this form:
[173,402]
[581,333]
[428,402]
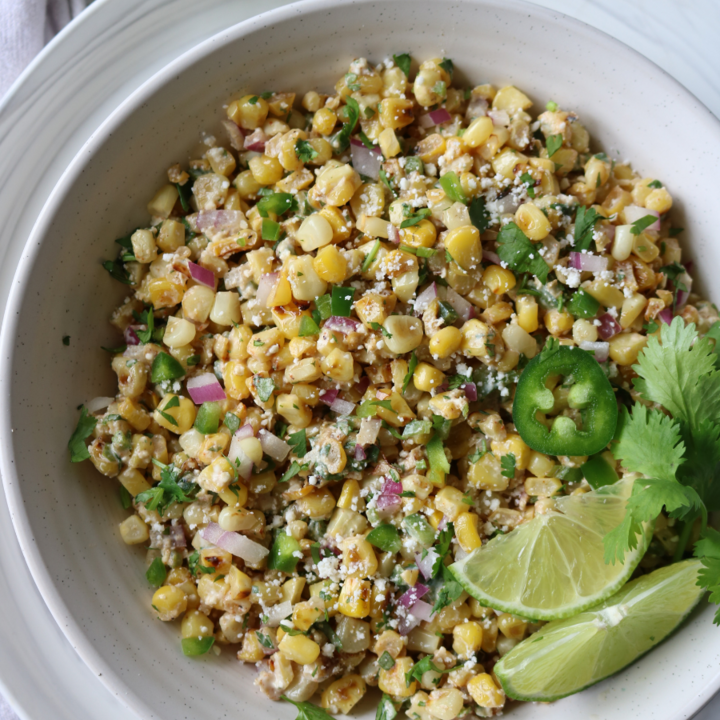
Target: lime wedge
[553,567]
[567,656]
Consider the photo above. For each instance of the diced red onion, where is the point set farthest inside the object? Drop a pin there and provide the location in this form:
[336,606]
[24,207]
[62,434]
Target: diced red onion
[217,220]
[388,503]
[609,326]
[635,212]
[256,141]
[240,461]
[390,487]
[234,543]
[425,121]
[425,298]
[442,524]
[393,234]
[507,204]
[462,307]
[246,431]
[425,564]
[237,140]
[205,388]
[492,257]
[413,594]
[328,397]
[275,614]
[362,385]
[601,350]
[666,315]
[342,407]
[470,389]
[440,116]
[588,262]
[343,325]
[477,107]
[360,453]
[273,446]
[130,336]
[688,265]
[98,403]
[421,610]
[608,231]
[499,117]
[683,295]
[265,287]
[408,623]
[364,160]
[177,537]
[201,274]
[369,429]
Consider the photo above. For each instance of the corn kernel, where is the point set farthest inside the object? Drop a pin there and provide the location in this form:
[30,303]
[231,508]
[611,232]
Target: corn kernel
[558,323]
[354,600]
[445,342]
[486,474]
[485,692]
[466,531]
[342,695]
[426,377]
[512,627]
[625,348]
[392,681]
[463,244]
[498,279]
[467,639]
[533,222]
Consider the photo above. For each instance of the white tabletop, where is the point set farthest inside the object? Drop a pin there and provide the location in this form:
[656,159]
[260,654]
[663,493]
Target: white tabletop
[681,37]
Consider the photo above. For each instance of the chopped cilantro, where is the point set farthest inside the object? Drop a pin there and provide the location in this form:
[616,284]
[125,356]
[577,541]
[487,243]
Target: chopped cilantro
[553,144]
[84,429]
[403,62]
[519,253]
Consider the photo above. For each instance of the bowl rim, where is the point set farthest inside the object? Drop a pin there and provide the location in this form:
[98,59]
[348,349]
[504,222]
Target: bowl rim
[33,245]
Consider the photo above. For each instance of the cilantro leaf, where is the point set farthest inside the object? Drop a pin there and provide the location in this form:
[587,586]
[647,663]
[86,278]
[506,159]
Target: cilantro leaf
[147,318]
[447,66]
[386,709]
[168,490]
[642,224]
[305,151]
[553,143]
[412,365]
[298,443]
[479,216]
[708,550]
[341,140]
[442,547]
[584,224]
[84,429]
[156,573]
[423,666]
[117,271]
[308,711]
[403,62]
[507,463]
[519,253]
[449,592]
[264,387]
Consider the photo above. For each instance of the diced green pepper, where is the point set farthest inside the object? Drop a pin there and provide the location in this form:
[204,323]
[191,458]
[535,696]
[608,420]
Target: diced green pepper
[207,420]
[385,537]
[583,305]
[419,529]
[599,472]
[282,554]
[165,367]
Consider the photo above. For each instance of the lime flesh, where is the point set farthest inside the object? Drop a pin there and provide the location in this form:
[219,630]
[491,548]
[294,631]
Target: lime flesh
[567,656]
[553,566]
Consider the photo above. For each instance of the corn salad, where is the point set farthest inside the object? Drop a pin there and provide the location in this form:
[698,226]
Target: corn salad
[324,331]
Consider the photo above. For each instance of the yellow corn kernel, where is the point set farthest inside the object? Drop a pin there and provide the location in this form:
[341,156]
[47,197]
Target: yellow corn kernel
[509,98]
[217,476]
[164,201]
[350,495]
[506,162]
[463,244]
[445,704]
[306,613]
[183,414]
[143,245]
[604,293]
[137,416]
[659,200]
[330,264]
[533,222]
[164,293]
[317,504]
[518,340]
[322,591]
[248,115]
[324,121]
[294,410]
[485,692]
[486,474]
[625,348]
[539,464]
[584,331]
[526,308]
[342,695]
[133,481]
[423,234]
[235,377]
[445,342]
[390,642]
[475,336]
[292,590]
[389,143]
[266,170]
[196,624]
[466,524]
[169,602]
[498,279]
[252,650]
[542,486]
[392,681]
[430,148]
[299,649]
[134,531]
[478,132]
[631,309]
[306,370]
[558,323]
[449,501]
[340,225]
[512,627]
[338,366]
[359,558]
[426,377]
[315,232]
[514,444]
[336,185]
[467,639]
[354,600]
[396,113]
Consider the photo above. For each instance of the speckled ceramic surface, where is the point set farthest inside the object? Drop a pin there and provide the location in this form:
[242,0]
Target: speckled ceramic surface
[66,517]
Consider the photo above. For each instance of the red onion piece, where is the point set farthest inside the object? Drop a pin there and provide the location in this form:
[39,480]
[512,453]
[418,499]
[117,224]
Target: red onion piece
[666,316]
[507,204]
[246,431]
[230,220]
[235,134]
[343,325]
[421,610]
[130,336]
[205,388]
[492,257]
[390,487]
[240,461]
[588,262]
[278,612]
[635,212]
[462,307]
[601,350]
[425,121]
[425,564]
[201,274]
[98,403]
[234,543]
[683,295]
[477,107]
[362,385]
[265,287]
[413,594]
[442,524]
[273,446]
[470,389]
[256,141]
[609,326]
[408,623]
[364,160]
[369,429]
[360,453]
[342,407]
[499,117]
[388,503]
[425,298]
[177,537]
[440,116]
[393,234]
[328,397]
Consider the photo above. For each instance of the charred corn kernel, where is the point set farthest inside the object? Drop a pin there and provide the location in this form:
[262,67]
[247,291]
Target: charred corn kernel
[330,264]
[317,504]
[526,308]
[498,279]
[512,627]
[604,293]
[506,162]
[359,558]
[514,444]
[354,600]
[134,531]
[248,115]
[217,476]
[266,170]
[659,200]
[389,143]
[392,681]
[338,366]
[164,293]
[306,613]
[143,245]
[133,481]
[315,232]
[341,227]
[252,650]
[467,639]
[197,303]
[486,474]
[449,501]
[625,348]
[430,148]
[299,649]
[485,692]
[463,244]
[631,309]
[169,602]
[390,642]
[183,414]
[342,695]
[350,495]
[306,370]
[558,323]
[466,524]
[324,121]
[226,308]
[423,234]
[396,113]
[235,377]
[584,331]
[533,222]
[337,184]
[294,410]
[445,342]
[542,486]
[292,590]
[478,132]
[445,704]
[426,377]
[178,332]
[137,416]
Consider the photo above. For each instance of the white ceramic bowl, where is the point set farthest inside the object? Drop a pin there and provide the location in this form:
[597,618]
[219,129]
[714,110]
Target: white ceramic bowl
[66,516]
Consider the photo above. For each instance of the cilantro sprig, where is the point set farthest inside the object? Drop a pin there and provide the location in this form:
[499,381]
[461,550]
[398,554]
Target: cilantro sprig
[519,253]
